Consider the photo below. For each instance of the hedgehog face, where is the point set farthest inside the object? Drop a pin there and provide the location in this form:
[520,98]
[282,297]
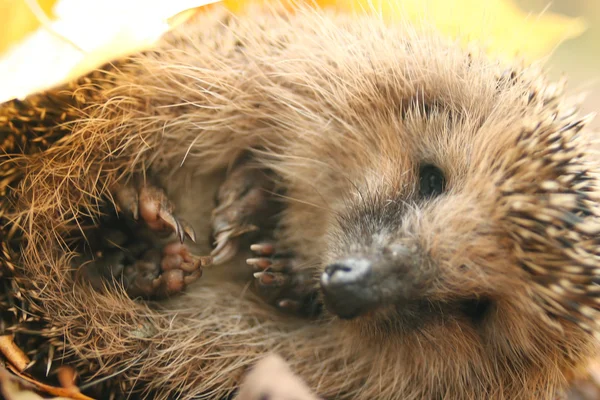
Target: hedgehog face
[383,258]
[446,197]
[441,229]
[420,241]
[423,254]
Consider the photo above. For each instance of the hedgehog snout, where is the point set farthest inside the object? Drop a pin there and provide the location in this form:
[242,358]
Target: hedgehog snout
[347,288]
[355,285]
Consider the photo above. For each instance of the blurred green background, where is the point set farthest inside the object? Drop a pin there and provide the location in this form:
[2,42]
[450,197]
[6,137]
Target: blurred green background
[578,58]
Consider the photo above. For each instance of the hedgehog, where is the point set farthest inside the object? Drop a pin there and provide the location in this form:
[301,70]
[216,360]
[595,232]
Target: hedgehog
[393,214]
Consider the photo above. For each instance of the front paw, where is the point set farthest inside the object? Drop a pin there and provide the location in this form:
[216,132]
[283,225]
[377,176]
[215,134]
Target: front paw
[245,204]
[163,273]
[282,282]
[145,201]
[128,248]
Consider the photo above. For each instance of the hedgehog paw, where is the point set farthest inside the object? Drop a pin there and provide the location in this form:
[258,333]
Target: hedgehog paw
[143,270]
[281,283]
[131,251]
[162,274]
[152,205]
[244,205]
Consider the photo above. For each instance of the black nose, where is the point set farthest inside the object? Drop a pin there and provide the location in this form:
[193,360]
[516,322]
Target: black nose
[347,287]
[347,272]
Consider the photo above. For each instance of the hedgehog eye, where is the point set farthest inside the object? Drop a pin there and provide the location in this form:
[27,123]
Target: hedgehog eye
[431,181]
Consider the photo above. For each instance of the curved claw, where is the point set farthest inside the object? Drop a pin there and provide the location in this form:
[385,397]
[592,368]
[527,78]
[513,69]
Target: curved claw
[179,231]
[188,230]
[127,199]
[269,258]
[289,305]
[264,249]
[169,220]
[226,248]
[221,240]
[152,205]
[273,279]
[259,262]
[181,227]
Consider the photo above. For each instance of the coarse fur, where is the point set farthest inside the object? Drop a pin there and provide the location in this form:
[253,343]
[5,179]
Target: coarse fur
[344,111]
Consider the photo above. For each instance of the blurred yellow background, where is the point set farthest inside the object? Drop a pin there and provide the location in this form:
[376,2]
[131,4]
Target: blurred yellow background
[529,27]
[578,58]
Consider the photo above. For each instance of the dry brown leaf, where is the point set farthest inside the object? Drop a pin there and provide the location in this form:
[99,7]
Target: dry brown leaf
[13,353]
[67,393]
[11,389]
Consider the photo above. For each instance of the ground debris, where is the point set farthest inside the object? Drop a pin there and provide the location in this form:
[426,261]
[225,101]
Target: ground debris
[20,386]
[272,379]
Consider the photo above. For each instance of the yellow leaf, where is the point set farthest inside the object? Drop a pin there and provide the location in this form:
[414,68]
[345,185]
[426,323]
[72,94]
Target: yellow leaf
[73,42]
[18,20]
[62,41]
[500,25]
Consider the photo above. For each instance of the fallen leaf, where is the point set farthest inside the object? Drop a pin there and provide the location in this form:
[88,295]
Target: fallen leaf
[60,42]
[18,362]
[67,393]
[10,389]
[500,25]
[81,36]
[18,20]
[13,354]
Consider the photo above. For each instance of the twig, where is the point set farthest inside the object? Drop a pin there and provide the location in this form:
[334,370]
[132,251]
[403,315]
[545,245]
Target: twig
[55,391]
[13,353]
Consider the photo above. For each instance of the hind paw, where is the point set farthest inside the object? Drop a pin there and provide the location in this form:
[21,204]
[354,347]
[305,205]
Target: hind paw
[142,269]
[152,205]
[281,283]
[161,274]
[132,251]
[244,205]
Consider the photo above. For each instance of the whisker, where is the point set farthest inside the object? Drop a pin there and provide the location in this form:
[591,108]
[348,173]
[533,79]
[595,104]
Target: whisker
[298,200]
